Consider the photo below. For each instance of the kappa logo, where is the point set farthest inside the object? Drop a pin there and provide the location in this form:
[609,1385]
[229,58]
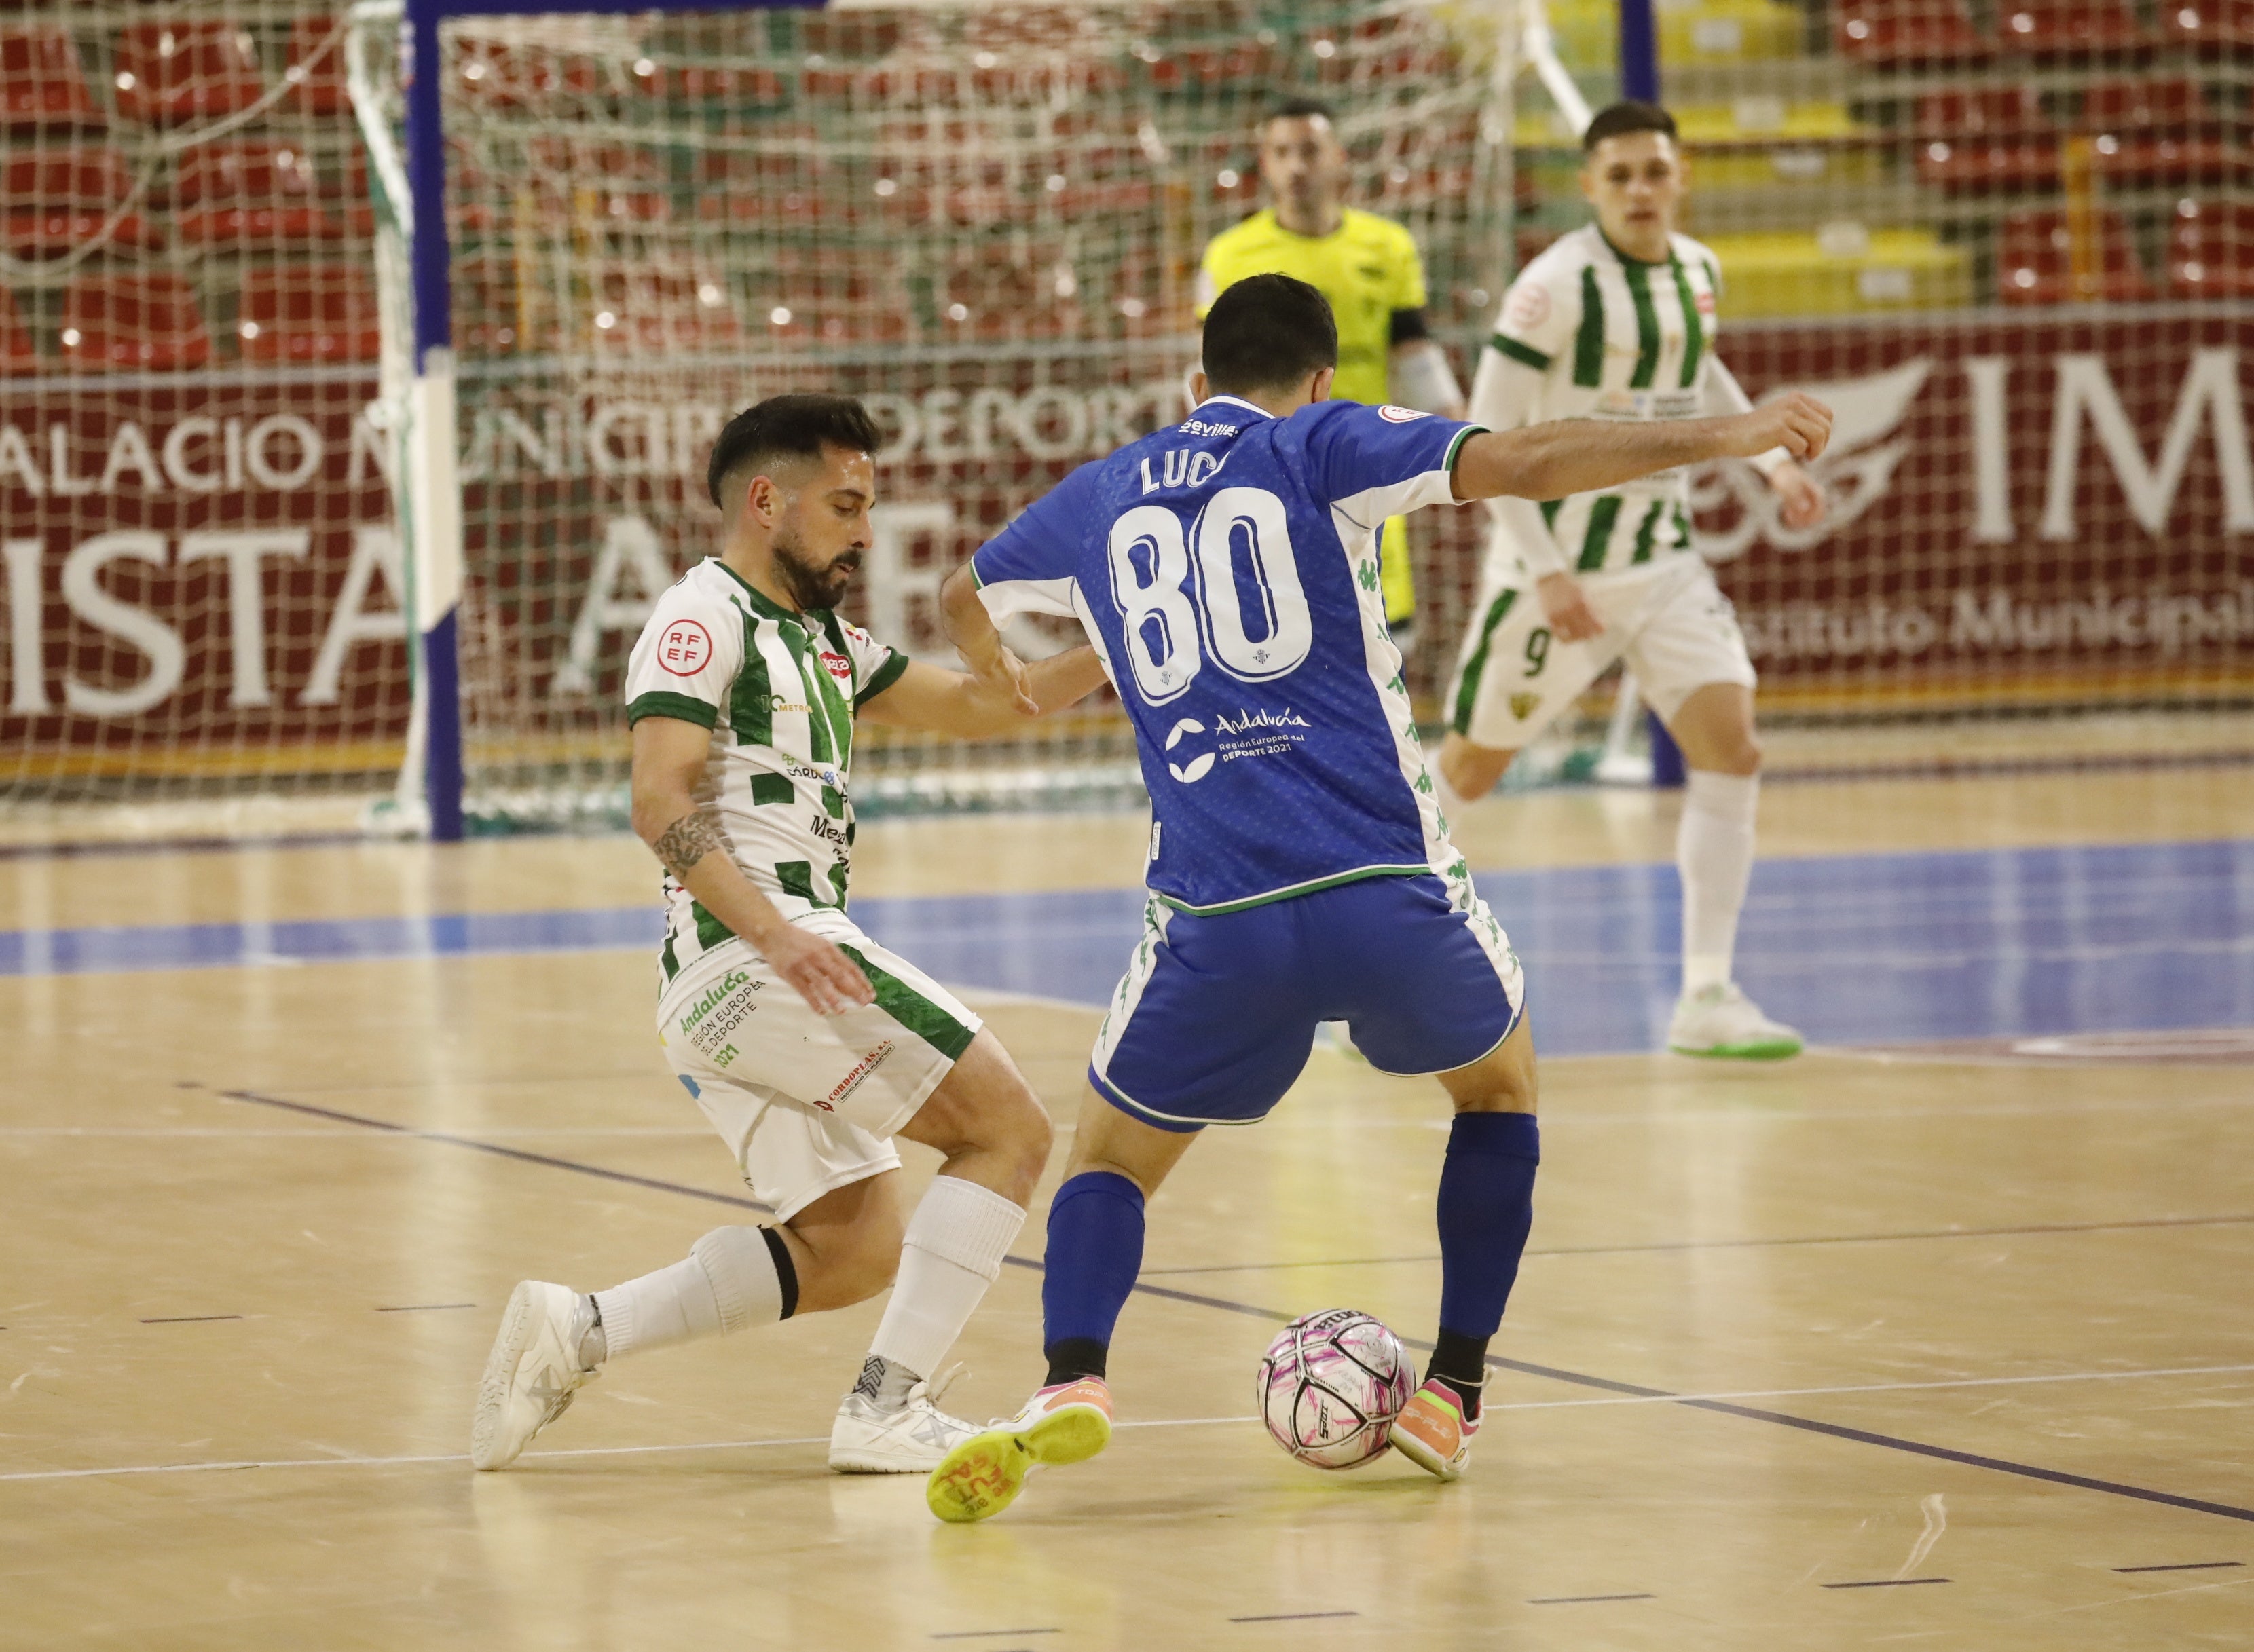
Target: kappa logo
[1198,766]
[1856,470]
[1400,415]
[1522,705]
[684,648]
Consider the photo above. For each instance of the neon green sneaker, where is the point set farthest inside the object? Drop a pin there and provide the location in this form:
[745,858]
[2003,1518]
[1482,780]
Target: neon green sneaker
[1066,1424]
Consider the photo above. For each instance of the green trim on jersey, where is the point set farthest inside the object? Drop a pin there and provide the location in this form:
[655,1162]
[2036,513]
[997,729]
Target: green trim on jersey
[1645,534]
[881,678]
[1525,355]
[709,930]
[1476,667]
[764,605]
[1694,332]
[1599,539]
[1589,347]
[1456,444]
[773,788]
[1647,324]
[797,878]
[751,698]
[680,707]
[1315,885]
[912,1010]
[1549,509]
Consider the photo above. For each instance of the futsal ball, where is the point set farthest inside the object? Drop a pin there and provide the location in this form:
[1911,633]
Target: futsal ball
[1330,1386]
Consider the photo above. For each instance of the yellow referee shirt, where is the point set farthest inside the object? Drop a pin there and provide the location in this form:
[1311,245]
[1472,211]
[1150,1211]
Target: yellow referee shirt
[1367,269]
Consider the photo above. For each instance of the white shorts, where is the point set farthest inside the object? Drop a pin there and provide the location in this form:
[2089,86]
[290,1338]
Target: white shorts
[1671,621]
[808,1102]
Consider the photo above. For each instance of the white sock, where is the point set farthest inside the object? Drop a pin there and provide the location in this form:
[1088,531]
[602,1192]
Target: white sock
[954,1249]
[729,1280]
[1714,852]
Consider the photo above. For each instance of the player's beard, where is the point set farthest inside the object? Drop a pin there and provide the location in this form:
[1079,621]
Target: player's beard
[810,583]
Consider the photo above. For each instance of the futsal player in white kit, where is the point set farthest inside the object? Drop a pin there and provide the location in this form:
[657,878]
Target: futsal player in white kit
[808,1045]
[1616,321]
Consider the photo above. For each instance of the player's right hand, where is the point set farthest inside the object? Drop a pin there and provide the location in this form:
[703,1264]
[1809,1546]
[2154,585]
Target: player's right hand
[1795,422]
[823,976]
[1566,607]
[1005,675]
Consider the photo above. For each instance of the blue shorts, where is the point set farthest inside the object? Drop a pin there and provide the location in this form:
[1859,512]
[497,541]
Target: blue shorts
[1216,1016]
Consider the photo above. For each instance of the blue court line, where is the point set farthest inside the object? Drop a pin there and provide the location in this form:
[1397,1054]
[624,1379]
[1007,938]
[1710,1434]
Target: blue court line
[1889,948]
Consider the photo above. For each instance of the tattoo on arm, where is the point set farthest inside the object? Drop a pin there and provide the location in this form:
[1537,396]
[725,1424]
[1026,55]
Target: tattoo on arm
[687,842]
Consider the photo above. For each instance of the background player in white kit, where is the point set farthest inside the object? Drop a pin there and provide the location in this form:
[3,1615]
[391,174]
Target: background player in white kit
[808,1045]
[1616,321]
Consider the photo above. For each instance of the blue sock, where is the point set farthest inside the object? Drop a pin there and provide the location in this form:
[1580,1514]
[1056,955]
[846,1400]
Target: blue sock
[1486,1210]
[1095,1251]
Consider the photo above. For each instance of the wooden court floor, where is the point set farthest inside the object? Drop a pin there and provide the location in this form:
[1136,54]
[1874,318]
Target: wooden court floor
[1930,1347]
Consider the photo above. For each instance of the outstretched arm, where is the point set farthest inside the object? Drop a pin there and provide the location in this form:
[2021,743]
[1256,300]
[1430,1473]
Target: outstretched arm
[969,707]
[971,633]
[1582,455]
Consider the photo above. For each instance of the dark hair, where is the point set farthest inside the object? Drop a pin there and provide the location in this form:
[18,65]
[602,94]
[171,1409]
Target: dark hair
[1267,332]
[793,426]
[1619,119]
[1300,108]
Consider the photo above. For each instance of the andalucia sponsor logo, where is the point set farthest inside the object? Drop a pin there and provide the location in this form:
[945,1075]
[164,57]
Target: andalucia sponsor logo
[716,1013]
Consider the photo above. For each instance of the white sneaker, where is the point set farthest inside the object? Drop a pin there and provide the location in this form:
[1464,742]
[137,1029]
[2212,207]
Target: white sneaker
[910,1439]
[532,1370]
[1722,1021]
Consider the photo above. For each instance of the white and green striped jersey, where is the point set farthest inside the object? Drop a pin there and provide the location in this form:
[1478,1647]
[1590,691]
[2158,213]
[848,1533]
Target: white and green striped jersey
[1613,337]
[777,690]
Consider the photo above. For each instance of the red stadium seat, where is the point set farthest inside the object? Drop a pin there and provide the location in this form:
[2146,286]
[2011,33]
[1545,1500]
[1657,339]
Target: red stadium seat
[647,309]
[249,194]
[607,186]
[2208,25]
[2211,250]
[171,73]
[1899,33]
[2035,264]
[59,199]
[2158,132]
[997,295]
[1992,138]
[129,323]
[18,352]
[42,84]
[316,68]
[300,315]
[2069,28]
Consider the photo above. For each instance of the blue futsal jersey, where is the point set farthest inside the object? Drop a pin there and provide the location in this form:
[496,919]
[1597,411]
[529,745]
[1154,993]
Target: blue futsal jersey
[1226,569]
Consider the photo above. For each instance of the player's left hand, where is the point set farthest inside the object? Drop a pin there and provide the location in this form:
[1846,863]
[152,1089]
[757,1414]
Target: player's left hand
[1804,504]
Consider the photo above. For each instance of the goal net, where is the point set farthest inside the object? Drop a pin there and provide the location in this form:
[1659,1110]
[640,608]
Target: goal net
[984,221]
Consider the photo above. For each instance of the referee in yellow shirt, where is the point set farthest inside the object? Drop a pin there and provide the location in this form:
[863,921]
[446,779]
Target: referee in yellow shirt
[1368,268]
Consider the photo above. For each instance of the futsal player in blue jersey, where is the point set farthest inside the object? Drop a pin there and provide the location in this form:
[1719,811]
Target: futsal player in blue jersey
[1226,569]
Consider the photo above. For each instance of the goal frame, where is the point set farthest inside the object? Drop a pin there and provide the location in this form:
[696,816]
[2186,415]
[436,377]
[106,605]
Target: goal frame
[432,498]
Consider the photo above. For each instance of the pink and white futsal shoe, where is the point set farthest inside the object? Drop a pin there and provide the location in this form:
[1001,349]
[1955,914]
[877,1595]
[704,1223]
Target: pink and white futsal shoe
[1068,1423]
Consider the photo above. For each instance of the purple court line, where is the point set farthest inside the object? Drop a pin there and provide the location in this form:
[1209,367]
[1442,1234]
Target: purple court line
[192,1319]
[1579,1379]
[1887,1583]
[1585,1599]
[425,1307]
[2187,1566]
[1293,1617]
[988,1634]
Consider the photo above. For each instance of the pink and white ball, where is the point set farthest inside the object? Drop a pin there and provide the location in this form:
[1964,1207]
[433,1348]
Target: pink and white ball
[1330,1386]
